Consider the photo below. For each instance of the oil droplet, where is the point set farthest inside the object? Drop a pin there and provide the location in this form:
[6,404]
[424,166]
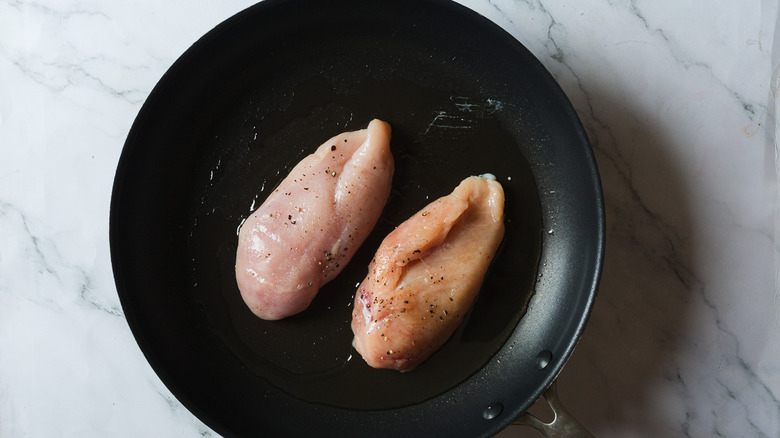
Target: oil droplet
[238,228]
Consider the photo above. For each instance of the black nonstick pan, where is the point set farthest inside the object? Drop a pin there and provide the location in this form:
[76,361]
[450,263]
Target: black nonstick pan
[255,95]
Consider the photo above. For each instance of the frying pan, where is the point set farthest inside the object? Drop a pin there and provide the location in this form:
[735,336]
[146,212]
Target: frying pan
[251,98]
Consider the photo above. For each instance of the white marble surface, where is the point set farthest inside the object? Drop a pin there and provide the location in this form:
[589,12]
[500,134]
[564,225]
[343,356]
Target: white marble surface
[678,99]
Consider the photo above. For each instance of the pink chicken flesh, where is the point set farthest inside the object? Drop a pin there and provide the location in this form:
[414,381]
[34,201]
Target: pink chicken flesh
[311,225]
[426,274]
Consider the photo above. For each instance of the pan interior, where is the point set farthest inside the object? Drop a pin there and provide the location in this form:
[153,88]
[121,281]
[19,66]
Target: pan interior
[249,151]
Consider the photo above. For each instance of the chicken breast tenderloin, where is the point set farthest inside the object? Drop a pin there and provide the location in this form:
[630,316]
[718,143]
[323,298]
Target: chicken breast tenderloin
[307,230]
[426,275]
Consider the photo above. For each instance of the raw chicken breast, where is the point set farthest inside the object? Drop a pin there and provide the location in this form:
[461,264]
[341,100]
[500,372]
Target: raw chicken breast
[426,274]
[310,226]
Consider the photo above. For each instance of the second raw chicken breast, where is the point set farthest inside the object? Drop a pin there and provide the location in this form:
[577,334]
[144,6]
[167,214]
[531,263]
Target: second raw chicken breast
[426,274]
[311,225]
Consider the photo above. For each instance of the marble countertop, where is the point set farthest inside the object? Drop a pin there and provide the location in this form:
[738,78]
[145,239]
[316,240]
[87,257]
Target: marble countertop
[679,102]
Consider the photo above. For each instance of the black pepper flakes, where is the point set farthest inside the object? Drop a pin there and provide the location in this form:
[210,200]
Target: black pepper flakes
[333,148]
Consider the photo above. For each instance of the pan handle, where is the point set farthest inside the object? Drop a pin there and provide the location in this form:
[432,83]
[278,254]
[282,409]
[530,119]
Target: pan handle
[562,425]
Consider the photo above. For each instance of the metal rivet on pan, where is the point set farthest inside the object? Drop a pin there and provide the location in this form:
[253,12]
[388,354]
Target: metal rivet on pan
[543,359]
[492,411]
